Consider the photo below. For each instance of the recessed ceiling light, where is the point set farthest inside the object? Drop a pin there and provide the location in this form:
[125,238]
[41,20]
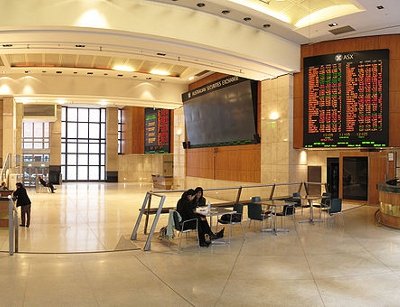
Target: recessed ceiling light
[333,24]
[120,75]
[191,78]
[7,45]
[44,71]
[148,78]
[59,72]
[380,7]
[161,54]
[103,102]
[225,12]
[247,19]
[123,68]
[26,71]
[267,25]
[61,101]
[162,80]
[89,73]
[200,4]
[159,72]
[106,74]
[75,72]
[80,46]
[134,76]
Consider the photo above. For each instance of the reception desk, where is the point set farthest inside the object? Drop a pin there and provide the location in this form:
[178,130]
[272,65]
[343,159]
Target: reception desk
[389,202]
[4,208]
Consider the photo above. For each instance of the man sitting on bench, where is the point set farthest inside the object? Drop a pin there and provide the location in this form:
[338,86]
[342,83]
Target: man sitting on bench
[46,184]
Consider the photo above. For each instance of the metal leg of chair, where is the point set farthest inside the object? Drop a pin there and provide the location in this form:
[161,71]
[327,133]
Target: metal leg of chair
[180,240]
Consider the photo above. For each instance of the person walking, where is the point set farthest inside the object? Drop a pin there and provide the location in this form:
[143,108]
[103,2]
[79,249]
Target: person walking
[24,202]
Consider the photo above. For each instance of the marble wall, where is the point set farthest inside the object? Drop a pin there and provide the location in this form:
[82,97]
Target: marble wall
[179,152]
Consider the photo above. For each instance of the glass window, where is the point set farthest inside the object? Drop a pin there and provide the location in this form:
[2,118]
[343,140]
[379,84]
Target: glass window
[94,115]
[28,130]
[82,173]
[94,131]
[93,172]
[82,130]
[72,114]
[83,115]
[72,130]
[84,138]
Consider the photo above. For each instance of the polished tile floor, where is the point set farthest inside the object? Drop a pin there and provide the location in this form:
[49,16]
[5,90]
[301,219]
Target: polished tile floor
[77,252]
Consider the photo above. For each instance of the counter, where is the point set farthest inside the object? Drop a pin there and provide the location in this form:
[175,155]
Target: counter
[389,202]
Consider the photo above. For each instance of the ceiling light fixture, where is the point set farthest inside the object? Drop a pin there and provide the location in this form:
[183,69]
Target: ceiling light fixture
[263,8]
[380,7]
[191,78]
[247,19]
[267,25]
[200,4]
[103,102]
[327,13]
[123,68]
[159,72]
[225,12]
[333,24]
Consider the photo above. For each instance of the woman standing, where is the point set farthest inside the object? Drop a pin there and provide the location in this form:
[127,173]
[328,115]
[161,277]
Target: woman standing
[24,202]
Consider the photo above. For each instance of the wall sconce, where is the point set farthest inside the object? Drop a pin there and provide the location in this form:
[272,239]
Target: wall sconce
[179,131]
[274,115]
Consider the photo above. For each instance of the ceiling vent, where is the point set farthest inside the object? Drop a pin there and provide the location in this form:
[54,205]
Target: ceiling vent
[40,112]
[342,30]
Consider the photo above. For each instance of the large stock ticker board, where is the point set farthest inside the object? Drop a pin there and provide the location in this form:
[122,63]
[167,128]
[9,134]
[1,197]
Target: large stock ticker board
[346,100]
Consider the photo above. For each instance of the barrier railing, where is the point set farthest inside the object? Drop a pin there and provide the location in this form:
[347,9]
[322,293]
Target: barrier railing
[12,227]
[157,211]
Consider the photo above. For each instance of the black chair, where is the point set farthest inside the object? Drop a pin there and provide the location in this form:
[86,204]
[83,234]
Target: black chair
[296,198]
[288,210]
[325,202]
[233,219]
[335,208]
[255,213]
[185,226]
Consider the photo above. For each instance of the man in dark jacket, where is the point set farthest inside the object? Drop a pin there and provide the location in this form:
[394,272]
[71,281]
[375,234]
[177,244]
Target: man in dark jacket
[24,202]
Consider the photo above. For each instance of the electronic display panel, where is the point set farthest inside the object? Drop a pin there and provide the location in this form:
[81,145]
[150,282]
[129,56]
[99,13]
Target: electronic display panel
[156,134]
[346,100]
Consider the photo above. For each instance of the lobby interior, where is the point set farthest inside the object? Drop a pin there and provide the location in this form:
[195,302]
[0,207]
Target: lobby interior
[78,252]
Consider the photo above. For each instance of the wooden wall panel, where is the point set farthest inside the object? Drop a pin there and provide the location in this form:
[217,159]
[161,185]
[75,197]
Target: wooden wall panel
[137,125]
[200,162]
[206,80]
[391,42]
[238,163]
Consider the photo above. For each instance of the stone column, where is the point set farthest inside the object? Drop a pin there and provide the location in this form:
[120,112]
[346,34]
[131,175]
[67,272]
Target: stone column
[112,144]
[55,149]
[280,163]
[179,152]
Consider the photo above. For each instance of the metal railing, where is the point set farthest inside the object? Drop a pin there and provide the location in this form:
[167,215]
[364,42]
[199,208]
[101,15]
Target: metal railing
[12,227]
[238,199]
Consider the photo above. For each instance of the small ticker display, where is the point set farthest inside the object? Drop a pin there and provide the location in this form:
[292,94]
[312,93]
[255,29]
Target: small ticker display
[346,100]
[156,127]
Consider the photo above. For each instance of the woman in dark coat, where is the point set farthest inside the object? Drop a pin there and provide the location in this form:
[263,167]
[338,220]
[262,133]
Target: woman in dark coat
[199,199]
[24,202]
[185,209]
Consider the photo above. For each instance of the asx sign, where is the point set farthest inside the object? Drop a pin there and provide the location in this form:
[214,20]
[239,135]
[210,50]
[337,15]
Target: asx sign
[343,57]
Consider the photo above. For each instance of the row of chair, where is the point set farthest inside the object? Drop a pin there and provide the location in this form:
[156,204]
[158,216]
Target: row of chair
[255,212]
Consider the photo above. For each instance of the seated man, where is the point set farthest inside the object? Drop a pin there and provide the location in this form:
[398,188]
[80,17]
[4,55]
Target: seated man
[46,184]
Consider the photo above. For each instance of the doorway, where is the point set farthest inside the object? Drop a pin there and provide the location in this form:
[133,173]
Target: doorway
[332,176]
[355,178]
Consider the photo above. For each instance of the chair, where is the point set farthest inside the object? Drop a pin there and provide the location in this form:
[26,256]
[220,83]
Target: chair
[324,204]
[288,210]
[233,219]
[184,226]
[296,198]
[255,213]
[335,208]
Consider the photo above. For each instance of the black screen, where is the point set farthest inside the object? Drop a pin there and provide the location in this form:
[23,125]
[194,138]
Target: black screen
[224,116]
[346,100]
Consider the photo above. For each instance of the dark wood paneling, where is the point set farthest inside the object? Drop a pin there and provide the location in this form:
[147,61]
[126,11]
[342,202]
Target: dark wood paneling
[137,123]
[206,80]
[200,162]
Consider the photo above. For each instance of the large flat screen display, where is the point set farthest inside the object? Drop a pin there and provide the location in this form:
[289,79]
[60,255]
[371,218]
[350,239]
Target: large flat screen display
[346,100]
[221,113]
[156,134]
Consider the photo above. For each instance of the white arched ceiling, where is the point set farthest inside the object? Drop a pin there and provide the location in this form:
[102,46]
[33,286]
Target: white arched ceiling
[141,29]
